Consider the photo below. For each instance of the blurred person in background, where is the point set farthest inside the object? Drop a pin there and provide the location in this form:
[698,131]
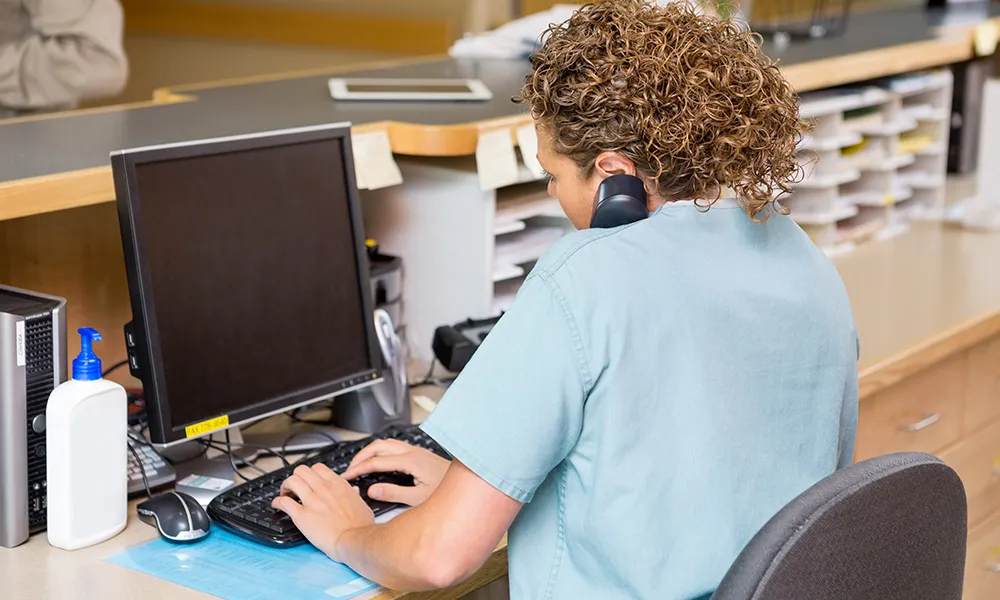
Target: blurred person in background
[56,53]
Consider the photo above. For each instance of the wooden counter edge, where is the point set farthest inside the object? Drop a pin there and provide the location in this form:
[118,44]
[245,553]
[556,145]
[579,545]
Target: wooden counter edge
[894,369]
[51,193]
[493,569]
[62,191]
[863,66]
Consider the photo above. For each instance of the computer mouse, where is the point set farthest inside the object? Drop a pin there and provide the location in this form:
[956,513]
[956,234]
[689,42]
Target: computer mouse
[178,517]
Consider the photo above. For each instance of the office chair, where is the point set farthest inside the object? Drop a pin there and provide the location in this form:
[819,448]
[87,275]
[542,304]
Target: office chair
[888,528]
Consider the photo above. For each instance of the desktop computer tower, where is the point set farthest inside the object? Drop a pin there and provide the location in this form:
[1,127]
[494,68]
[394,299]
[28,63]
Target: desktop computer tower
[32,363]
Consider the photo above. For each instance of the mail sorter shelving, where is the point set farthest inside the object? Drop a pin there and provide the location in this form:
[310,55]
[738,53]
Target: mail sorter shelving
[876,159]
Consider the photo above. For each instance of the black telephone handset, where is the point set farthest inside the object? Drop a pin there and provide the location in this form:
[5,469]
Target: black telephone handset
[621,199]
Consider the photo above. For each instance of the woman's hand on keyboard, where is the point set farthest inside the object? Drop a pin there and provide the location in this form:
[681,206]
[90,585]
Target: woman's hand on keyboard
[327,506]
[386,456]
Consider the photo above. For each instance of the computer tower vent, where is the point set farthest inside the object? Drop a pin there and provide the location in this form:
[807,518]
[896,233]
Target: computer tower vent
[40,381]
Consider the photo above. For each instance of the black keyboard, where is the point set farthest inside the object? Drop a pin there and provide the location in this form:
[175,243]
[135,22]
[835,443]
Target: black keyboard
[246,509]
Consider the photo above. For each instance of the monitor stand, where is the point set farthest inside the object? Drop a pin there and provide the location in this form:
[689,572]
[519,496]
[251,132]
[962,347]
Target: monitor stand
[299,440]
[354,415]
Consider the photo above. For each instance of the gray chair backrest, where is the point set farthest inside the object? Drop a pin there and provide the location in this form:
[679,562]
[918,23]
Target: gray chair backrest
[888,528]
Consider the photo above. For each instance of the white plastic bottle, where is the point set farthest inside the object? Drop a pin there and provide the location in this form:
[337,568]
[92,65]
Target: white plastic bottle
[86,420]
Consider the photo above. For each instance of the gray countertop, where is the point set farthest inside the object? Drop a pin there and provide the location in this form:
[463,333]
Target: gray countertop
[74,142]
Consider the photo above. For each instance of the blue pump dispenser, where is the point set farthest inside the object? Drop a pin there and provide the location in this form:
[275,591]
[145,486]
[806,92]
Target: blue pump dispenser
[86,365]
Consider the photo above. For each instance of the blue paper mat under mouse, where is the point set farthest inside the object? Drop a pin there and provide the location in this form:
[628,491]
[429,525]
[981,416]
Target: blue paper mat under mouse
[230,567]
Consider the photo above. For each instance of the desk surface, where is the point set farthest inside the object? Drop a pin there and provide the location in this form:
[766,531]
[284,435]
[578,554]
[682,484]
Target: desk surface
[917,298]
[41,572]
[62,161]
[38,571]
[920,297]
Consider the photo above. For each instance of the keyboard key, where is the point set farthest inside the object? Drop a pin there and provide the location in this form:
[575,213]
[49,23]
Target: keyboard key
[284,524]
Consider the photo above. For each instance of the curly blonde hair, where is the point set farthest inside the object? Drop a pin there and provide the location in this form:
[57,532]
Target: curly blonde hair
[689,98]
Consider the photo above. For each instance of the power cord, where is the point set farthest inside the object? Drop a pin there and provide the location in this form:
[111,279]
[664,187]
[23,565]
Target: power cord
[142,469]
[114,367]
[429,378]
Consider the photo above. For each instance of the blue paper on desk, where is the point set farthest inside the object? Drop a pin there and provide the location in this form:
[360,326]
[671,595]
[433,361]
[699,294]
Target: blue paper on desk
[230,567]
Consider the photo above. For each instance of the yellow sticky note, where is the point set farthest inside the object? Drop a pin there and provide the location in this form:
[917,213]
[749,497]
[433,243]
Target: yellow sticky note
[496,159]
[527,140]
[374,164]
[206,426]
[985,37]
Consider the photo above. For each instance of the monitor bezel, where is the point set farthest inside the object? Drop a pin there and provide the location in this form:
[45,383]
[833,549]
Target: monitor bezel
[162,430]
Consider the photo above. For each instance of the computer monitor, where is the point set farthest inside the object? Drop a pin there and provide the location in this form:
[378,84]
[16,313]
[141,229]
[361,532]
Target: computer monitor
[248,277]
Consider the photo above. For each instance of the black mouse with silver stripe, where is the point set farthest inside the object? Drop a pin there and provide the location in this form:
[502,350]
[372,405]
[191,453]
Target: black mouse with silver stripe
[178,517]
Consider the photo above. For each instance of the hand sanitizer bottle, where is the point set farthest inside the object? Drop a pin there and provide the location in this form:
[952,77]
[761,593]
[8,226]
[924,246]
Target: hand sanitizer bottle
[86,420]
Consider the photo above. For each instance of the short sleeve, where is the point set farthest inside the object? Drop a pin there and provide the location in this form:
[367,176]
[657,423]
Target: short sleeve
[516,410]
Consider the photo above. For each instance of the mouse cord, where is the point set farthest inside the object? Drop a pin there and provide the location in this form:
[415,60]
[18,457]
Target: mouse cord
[232,461]
[142,469]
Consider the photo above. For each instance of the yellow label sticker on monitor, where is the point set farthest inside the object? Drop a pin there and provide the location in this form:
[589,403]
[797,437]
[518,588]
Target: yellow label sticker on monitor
[206,426]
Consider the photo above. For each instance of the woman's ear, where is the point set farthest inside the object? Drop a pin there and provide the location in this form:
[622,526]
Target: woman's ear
[612,163]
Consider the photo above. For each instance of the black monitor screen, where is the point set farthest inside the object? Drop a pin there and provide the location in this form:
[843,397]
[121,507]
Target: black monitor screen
[253,275]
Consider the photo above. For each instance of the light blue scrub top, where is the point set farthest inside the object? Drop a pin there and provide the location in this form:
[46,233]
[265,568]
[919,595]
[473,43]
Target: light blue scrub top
[654,395]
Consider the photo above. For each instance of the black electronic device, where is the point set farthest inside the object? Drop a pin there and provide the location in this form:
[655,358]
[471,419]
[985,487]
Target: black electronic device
[454,345]
[32,364]
[178,517]
[967,109]
[621,199]
[248,277]
[246,509]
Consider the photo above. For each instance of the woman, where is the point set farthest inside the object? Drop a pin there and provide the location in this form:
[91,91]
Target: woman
[658,390]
